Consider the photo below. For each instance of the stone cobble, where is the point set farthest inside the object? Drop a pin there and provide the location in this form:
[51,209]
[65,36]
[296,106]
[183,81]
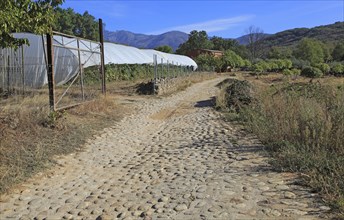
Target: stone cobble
[174,158]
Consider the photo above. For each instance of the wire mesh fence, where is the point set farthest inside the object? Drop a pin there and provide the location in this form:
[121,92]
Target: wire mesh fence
[76,65]
[12,77]
[77,70]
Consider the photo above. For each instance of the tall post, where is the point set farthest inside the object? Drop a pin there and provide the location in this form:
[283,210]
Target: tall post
[155,61]
[168,69]
[162,69]
[173,74]
[50,72]
[81,72]
[23,69]
[102,65]
[8,73]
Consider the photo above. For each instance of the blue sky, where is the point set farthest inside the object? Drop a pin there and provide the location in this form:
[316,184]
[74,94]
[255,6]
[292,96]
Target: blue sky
[228,19]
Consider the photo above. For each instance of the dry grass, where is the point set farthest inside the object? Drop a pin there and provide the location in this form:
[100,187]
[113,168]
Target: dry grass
[302,123]
[30,136]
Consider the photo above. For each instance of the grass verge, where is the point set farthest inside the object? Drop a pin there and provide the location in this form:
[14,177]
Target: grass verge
[30,136]
[302,125]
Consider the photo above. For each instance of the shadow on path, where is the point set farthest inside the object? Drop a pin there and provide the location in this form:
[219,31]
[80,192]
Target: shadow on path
[206,103]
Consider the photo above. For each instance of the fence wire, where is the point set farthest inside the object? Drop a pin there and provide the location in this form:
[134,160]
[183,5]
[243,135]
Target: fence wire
[77,62]
[77,70]
[80,68]
[11,72]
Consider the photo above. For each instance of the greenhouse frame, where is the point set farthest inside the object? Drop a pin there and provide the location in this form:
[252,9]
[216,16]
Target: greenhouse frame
[67,59]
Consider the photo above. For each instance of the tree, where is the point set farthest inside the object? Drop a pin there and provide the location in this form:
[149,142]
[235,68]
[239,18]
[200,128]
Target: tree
[255,35]
[232,60]
[208,62]
[69,22]
[310,50]
[165,48]
[89,26]
[35,16]
[65,20]
[338,52]
[197,40]
[279,53]
[242,51]
[223,44]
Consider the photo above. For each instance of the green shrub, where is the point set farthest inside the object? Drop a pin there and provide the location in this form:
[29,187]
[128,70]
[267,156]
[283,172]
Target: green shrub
[337,69]
[325,68]
[232,60]
[287,72]
[206,61]
[300,64]
[311,72]
[296,72]
[258,68]
[247,64]
[272,65]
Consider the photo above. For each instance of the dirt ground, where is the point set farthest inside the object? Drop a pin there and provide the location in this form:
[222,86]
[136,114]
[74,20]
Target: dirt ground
[167,158]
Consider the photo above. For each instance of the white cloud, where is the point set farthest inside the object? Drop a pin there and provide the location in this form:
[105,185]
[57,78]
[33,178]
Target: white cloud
[113,9]
[208,26]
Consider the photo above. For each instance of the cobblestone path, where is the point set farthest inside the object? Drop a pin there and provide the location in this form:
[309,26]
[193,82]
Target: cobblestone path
[173,159]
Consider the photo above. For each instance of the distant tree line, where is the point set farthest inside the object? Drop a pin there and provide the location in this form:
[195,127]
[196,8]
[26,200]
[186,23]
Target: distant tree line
[165,48]
[81,25]
[310,57]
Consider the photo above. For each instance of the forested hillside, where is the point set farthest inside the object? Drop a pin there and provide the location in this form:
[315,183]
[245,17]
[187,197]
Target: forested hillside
[331,33]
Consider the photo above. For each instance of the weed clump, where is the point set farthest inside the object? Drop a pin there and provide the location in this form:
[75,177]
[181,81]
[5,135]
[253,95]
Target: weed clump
[236,95]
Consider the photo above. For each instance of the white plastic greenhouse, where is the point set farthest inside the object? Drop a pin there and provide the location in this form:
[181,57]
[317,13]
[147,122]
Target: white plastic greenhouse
[66,59]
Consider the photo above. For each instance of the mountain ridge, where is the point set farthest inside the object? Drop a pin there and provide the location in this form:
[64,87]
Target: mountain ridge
[290,37]
[329,33]
[171,38]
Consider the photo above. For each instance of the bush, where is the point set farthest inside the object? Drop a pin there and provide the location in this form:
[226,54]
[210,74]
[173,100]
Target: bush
[231,60]
[296,72]
[300,64]
[247,64]
[325,68]
[258,68]
[311,72]
[337,69]
[237,94]
[287,72]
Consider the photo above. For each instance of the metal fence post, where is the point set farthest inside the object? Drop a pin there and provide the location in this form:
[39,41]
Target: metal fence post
[155,71]
[177,69]
[50,72]
[81,72]
[102,64]
[172,72]
[162,69]
[23,69]
[168,68]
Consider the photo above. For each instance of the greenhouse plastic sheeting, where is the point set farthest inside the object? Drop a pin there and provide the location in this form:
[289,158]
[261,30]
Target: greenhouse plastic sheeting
[66,62]
[171,58]
[120,54]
